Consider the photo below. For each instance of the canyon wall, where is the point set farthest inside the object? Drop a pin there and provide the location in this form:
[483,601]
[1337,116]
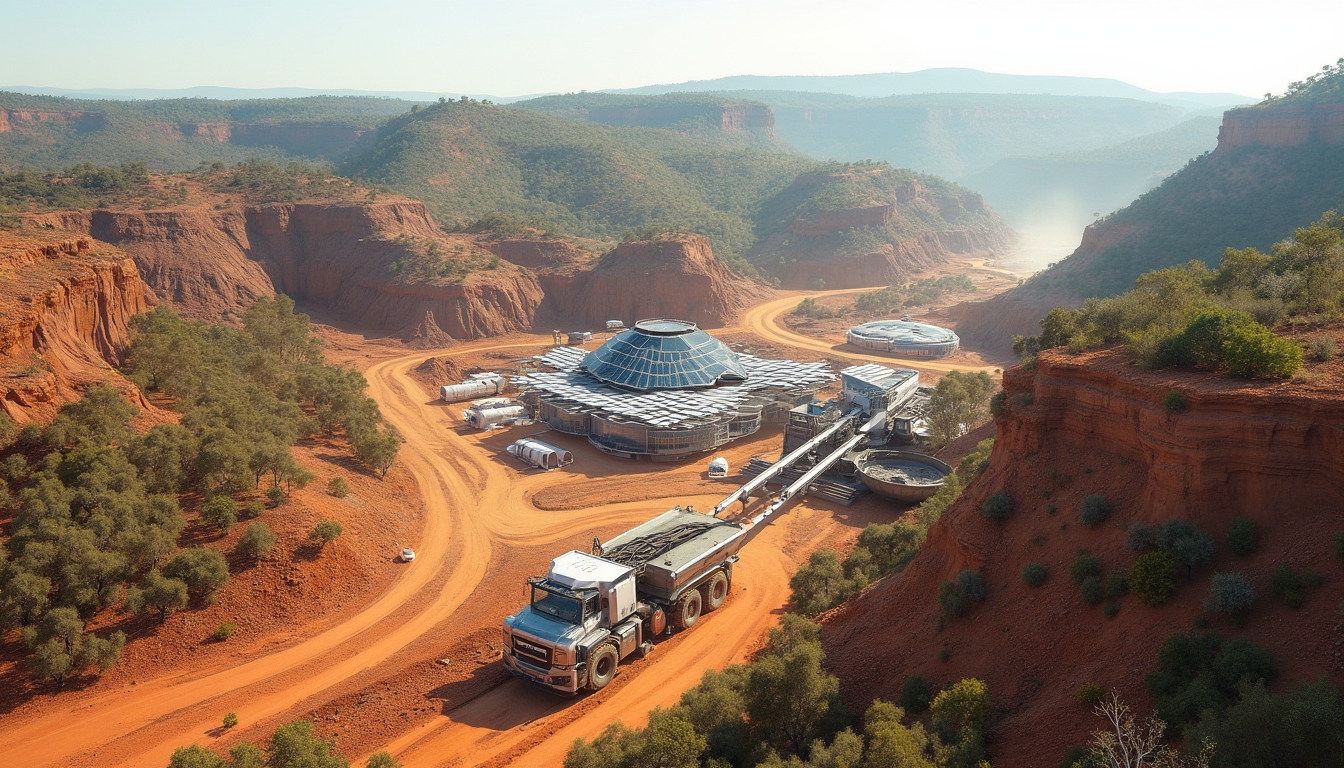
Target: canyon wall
[213,263]
[64,319]
[1289,125]
[1088,424]
[727,117]
[674,277]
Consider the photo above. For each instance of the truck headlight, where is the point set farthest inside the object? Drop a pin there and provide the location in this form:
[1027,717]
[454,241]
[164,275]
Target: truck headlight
[562,657]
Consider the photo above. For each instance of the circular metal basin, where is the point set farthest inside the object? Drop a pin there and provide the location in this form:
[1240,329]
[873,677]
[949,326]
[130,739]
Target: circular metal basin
[901,475]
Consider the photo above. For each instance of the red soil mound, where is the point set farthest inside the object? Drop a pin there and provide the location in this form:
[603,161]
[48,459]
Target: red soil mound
[64,315]
[668,277]
[1092,424]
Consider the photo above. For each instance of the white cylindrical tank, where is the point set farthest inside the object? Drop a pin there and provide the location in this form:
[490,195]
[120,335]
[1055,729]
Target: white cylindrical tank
[540,454]
[718,467]
[471,389]
[492,416]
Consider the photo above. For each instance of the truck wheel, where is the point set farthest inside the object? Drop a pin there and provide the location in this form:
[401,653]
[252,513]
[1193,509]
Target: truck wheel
[715,591]
[687,610]
[602,664]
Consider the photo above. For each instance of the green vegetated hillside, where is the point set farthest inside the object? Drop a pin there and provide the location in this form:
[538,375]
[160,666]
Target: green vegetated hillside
[1071,188]
[44,132]
[469,160]
[710,116]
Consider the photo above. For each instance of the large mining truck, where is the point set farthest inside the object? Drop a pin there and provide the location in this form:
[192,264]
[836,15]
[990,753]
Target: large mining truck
[595,609]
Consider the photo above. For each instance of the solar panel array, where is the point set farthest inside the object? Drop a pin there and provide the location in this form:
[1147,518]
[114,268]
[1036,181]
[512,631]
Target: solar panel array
[573,389]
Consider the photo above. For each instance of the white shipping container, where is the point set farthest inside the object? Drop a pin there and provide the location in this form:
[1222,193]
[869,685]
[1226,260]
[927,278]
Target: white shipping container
[540,454]
[471,389]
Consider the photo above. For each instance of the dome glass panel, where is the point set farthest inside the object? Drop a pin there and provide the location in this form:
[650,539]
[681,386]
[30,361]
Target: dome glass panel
[664,354]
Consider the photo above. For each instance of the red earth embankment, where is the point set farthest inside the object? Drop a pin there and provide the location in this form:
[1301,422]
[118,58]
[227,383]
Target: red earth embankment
[64,318]
[1092,424]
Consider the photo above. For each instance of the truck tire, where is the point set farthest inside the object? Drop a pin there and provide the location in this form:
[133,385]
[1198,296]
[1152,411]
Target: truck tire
[602,664]
[687,610]
[715,591]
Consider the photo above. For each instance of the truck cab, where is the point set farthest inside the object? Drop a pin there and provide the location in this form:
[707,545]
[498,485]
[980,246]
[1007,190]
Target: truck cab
[592,610]
[571,610]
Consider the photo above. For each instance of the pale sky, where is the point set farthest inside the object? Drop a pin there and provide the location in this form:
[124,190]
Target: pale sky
[515,47]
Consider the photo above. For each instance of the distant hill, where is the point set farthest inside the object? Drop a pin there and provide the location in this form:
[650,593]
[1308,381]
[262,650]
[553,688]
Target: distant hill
[469,160]
[1067,190]
[40,132]
[716,117]
[1277,167]
[219,92]
[947,80]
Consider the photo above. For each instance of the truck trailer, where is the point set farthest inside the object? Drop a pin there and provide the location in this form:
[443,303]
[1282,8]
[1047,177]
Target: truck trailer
[593,610]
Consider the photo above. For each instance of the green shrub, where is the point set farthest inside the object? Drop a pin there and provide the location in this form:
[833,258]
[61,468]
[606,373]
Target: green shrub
[1323,349]
[1241,537]
[1229,593]
[220,512]
[1084,566]
[998,506]
[1088,694]
[1255,352]
[821,584]
[1152,577]
[1093,510]
[276,494]
[1289,585]
[257,540]
[338,488]
[915,694]
[1111,608]
[231,720]
[225,630]
[1174,401]
[1116,585]
[327,531]
[202,570]
[958,597]
[253,509]
[1034,574]
[1201,671]
[998,404]
[1091,590]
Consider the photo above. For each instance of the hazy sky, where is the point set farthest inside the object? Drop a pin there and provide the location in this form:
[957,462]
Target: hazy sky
[513,47]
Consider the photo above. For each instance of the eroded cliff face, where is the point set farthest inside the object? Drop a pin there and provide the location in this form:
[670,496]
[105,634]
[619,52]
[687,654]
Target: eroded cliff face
[1282,126]
[64,319]
[1093,424]
[213,263]
[727,117]
[886,239]
[674,277]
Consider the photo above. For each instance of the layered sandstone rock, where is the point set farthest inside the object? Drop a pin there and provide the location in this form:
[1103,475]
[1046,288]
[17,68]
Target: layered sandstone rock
[64,318]
[1290,125]
[213,263]
[672,277]
[1094,424]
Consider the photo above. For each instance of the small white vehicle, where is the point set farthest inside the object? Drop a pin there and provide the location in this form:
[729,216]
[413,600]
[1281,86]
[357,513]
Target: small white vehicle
[407,555]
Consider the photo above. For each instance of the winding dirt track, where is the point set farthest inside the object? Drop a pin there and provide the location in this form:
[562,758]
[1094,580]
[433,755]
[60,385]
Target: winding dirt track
[474,504]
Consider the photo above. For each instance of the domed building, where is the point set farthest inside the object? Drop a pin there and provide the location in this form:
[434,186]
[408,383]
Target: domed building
[904,337]
[665,389]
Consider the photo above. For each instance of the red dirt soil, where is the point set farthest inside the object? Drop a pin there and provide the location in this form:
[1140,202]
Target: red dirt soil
[1258,449]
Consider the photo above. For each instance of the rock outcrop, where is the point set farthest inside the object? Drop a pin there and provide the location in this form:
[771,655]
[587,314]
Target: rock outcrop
[1093,424]
[212,263]
[669,277]
[64,319]
[727,117]
[1290,125]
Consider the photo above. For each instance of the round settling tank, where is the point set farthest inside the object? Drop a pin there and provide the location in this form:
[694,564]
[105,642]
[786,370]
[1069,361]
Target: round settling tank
[901,475]
[908,338]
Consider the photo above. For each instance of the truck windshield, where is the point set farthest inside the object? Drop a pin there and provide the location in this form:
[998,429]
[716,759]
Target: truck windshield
[562,607]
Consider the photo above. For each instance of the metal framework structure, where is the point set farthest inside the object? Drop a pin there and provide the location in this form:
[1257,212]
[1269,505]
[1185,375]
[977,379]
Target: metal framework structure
[908,338]
[683,417]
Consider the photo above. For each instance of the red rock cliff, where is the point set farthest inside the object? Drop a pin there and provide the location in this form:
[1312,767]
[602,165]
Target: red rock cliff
[1092,424]
[64,318]
[676,277]
[213,263]
[1282,126]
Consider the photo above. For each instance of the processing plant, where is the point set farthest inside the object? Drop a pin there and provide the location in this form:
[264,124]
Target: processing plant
[905,337]
[665,389]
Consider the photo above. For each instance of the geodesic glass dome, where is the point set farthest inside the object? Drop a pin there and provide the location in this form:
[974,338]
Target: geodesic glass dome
[664,354]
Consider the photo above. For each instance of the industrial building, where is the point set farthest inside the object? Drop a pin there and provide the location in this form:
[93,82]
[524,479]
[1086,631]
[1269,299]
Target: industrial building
[665,389]
[905,337]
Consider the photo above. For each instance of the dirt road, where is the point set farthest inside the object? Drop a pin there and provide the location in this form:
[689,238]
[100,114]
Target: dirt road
[477,507]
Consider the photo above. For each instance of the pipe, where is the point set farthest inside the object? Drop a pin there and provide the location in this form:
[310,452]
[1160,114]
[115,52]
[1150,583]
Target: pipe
[744,492]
